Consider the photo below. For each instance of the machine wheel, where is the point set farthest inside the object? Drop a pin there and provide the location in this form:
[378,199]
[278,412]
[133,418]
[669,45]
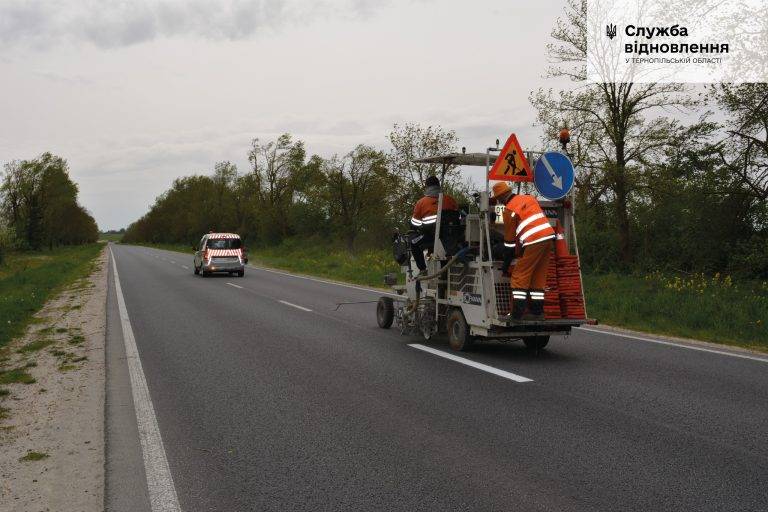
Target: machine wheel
[385,312]
[458,332]
[241,273]
[536,342]
[204,273]
[197,270]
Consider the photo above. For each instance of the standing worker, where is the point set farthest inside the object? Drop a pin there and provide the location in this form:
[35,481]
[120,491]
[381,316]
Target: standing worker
[526,231]
[424,218]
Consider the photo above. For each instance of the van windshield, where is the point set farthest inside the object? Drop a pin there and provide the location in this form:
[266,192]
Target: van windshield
[224,243]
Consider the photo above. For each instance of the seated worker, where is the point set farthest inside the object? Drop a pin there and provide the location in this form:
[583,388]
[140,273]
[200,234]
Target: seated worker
[424,218]
[527,234]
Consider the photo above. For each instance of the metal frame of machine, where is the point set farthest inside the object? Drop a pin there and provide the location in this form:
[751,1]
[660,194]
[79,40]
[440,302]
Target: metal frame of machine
[466,294]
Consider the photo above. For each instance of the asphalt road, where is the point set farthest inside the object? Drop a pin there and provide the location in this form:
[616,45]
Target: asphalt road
[267,399]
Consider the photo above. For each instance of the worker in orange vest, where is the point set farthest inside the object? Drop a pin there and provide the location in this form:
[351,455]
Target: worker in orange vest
[527,234]
[424,218]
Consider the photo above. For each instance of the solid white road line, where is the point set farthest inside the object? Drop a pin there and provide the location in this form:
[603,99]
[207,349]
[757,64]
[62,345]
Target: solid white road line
[232,284]
[294,305]
[678,345]
[324,281]
[473,364]
[162,492]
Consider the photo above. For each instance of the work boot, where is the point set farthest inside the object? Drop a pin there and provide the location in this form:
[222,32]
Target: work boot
[518,305]
[536,309]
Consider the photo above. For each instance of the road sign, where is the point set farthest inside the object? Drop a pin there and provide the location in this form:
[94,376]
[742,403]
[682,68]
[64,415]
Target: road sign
[553,175]
[511,164]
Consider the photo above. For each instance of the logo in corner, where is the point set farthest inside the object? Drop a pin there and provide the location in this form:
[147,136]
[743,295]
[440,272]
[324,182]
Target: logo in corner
[610,30]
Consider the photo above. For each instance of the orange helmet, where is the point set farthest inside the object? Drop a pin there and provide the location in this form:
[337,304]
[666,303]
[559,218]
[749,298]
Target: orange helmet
[500,189]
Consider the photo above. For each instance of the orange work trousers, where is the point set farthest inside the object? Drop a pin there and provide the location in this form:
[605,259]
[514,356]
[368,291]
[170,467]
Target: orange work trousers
[530,271]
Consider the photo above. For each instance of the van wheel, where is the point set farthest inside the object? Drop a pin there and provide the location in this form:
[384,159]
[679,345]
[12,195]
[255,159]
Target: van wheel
[385,312]
[535,342]
[458,332]
[241,273]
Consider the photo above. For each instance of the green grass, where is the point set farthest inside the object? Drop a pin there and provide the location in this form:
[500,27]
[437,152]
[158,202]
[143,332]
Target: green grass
[76,339]
[4,392]
[28,280]
[16,375]
[33,456]
[709,309]
[34,346]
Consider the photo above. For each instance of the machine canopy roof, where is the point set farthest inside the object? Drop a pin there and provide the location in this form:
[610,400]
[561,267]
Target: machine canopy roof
[478,159]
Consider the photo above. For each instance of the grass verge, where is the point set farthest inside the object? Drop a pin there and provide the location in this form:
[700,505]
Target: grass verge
[710,309]
[704,308]
[28,280]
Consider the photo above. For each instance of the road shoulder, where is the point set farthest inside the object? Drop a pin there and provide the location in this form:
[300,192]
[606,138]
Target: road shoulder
[52,439]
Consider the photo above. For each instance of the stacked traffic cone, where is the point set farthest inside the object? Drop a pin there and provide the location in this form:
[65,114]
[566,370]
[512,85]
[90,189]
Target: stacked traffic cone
[569,284]
[552,291]
[563,296]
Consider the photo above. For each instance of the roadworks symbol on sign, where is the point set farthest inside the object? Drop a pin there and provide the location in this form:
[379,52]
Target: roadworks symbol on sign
[511,164]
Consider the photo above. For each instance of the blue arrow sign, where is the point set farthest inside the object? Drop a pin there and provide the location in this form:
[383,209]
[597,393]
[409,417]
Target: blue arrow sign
[553,175]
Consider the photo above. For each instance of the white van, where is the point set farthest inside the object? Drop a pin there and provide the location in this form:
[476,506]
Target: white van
[220,252]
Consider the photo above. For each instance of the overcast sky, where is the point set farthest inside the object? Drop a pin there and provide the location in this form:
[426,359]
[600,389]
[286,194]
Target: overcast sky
[134,94]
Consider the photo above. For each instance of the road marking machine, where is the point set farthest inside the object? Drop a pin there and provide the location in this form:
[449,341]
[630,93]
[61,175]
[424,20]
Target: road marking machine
[463,292]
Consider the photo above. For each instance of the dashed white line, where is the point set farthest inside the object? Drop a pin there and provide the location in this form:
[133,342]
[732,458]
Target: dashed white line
[233,284]
[473,364]
[173,262]
[678,345]
[184,266]
[324,281]
[162,492]
[294,305]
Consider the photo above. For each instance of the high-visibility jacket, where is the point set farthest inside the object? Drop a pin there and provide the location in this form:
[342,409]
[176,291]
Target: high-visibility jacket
[425,210]
[525,222]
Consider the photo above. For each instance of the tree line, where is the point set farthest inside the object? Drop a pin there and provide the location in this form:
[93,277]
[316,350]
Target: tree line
[356,199]
[39,208]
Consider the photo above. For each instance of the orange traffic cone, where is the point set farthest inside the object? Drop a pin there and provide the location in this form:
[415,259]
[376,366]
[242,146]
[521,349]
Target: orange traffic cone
[561,246]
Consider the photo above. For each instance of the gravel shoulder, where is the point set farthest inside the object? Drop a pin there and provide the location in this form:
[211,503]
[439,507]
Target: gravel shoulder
[52,425]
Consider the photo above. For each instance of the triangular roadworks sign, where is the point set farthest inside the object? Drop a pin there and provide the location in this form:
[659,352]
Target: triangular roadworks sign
[511,164]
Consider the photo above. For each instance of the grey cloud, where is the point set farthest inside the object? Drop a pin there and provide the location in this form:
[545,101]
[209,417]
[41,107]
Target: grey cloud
[115,23]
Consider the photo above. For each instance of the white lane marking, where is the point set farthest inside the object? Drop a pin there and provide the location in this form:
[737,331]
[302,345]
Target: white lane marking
[294,305]
[473,364]
[232,284]
[173,262]
[184,266]
[162,493]
[344,285]
[678,345]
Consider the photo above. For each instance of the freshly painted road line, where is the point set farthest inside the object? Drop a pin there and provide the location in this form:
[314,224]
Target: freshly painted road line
[294,305]
[344,285]
[473,364]
[679,345]
[232,284]
[162,492]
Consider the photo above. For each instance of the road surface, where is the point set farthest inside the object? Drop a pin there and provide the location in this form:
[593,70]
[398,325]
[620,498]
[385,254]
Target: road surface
[267,399]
